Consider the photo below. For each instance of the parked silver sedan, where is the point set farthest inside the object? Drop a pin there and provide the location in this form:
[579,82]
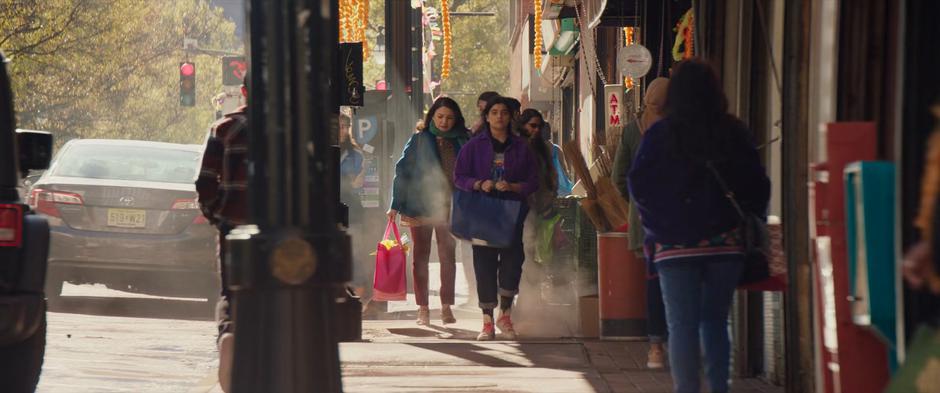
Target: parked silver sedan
[124,213]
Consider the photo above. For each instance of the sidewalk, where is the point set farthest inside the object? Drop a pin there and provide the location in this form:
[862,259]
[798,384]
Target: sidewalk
[396,355]
[400,356]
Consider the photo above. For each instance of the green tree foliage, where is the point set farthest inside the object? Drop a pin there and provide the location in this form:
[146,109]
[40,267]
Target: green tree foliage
[109,68]
[480,54]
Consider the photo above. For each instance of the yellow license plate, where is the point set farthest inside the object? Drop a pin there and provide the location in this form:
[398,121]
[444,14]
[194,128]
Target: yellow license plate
[127,218]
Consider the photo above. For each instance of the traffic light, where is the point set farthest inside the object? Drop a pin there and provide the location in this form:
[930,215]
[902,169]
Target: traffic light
[187,83]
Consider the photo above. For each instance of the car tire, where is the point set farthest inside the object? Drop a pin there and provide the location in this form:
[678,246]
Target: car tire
[21,363]
[53,287]
[212,304]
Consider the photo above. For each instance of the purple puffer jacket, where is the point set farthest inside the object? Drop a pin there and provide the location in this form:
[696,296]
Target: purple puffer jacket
[475,162]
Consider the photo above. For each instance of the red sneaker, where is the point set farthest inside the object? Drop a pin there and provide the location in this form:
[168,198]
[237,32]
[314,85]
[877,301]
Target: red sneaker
[488,333]
[504,323]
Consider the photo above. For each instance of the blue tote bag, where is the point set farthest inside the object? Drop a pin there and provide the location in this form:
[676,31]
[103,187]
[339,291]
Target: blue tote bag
[479,216]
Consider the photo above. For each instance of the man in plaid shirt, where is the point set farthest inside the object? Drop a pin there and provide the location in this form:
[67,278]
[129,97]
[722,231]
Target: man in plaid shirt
[223,197]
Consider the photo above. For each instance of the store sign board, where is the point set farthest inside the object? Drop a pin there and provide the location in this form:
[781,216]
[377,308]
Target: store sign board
[613,108]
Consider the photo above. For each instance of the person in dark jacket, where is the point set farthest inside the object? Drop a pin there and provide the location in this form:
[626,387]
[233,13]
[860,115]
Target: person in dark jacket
[421,194]
[222,190]
[629,143]
[692,230]
[498,162]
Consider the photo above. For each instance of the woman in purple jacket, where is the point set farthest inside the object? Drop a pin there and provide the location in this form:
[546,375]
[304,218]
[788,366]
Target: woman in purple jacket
[498,162]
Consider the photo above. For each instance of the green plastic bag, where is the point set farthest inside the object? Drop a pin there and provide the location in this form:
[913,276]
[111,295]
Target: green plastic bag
[546,238]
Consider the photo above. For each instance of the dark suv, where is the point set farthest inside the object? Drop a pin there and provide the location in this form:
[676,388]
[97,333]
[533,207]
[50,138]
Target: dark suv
[24,247]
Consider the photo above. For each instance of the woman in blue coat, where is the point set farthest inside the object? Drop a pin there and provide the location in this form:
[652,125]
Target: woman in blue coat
[692,229]
[421,194]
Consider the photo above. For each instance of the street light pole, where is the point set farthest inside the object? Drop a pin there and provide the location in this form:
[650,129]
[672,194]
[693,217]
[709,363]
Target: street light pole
[286,269]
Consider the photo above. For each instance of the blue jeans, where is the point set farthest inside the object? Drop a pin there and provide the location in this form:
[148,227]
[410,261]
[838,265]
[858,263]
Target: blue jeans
[697,292]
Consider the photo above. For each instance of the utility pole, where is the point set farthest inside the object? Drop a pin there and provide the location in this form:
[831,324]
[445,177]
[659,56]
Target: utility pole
[403,69]
[286,269]
[798,304]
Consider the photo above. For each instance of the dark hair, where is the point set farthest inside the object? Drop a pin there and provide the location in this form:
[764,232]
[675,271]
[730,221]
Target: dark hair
[539,144]
[527,116]
[350,142]
[514,105]
[493,102]
[487,96]
[449,103]
[700,127]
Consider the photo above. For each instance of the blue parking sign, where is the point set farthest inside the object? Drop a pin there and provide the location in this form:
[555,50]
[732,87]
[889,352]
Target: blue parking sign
[364,129]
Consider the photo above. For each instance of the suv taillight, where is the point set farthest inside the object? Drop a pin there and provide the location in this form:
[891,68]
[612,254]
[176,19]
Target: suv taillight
[44,201]
[11,225]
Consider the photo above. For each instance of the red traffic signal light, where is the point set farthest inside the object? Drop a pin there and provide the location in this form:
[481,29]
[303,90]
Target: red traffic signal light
[187,69]
[187,83]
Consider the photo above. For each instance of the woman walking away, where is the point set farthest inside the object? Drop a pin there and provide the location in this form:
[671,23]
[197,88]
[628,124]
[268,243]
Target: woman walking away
[422,192]
[692,228]
[500,164]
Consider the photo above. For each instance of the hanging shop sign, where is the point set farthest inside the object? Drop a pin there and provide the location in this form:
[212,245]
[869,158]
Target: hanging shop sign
[351,89]
[634,61]
[613,108]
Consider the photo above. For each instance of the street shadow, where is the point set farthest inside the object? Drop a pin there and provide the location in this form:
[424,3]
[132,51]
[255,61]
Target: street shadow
[566,357]
[191,310]
[412,332]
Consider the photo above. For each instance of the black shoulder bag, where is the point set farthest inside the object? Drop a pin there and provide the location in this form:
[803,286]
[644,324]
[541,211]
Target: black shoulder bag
[756,239]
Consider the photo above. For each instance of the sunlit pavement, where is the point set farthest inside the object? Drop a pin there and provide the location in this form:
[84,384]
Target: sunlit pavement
[112,341]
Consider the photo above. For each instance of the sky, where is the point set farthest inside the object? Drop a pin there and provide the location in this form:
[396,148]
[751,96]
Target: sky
[234,10]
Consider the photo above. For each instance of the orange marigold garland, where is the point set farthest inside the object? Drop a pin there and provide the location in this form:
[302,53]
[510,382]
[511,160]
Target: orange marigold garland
[364,24]
[684,34]
[353,21]
[448,44]
[537,44]
[628,33]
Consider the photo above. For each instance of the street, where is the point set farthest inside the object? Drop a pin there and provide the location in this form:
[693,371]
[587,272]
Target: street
[113,341]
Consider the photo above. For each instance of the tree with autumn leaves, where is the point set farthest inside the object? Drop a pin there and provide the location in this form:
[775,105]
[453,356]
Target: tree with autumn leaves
[479,54]
[109,69]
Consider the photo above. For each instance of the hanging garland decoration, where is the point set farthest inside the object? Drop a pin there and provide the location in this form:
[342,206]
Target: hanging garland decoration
[345,24]
[448,43]
[537,44]
[628,33]
[363,25]
[684,32]
[353,21]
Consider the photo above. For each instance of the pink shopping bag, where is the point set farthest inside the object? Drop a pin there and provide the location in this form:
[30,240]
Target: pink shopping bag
[390,264]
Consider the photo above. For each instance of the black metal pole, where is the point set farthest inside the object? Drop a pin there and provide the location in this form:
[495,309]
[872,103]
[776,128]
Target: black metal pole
[403,68]
[286,269]
[798,304]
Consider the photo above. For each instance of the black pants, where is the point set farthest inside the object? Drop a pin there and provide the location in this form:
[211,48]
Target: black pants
[498,270]
[223,315]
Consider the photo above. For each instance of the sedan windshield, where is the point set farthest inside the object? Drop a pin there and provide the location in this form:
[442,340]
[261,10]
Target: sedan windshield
[128,163]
